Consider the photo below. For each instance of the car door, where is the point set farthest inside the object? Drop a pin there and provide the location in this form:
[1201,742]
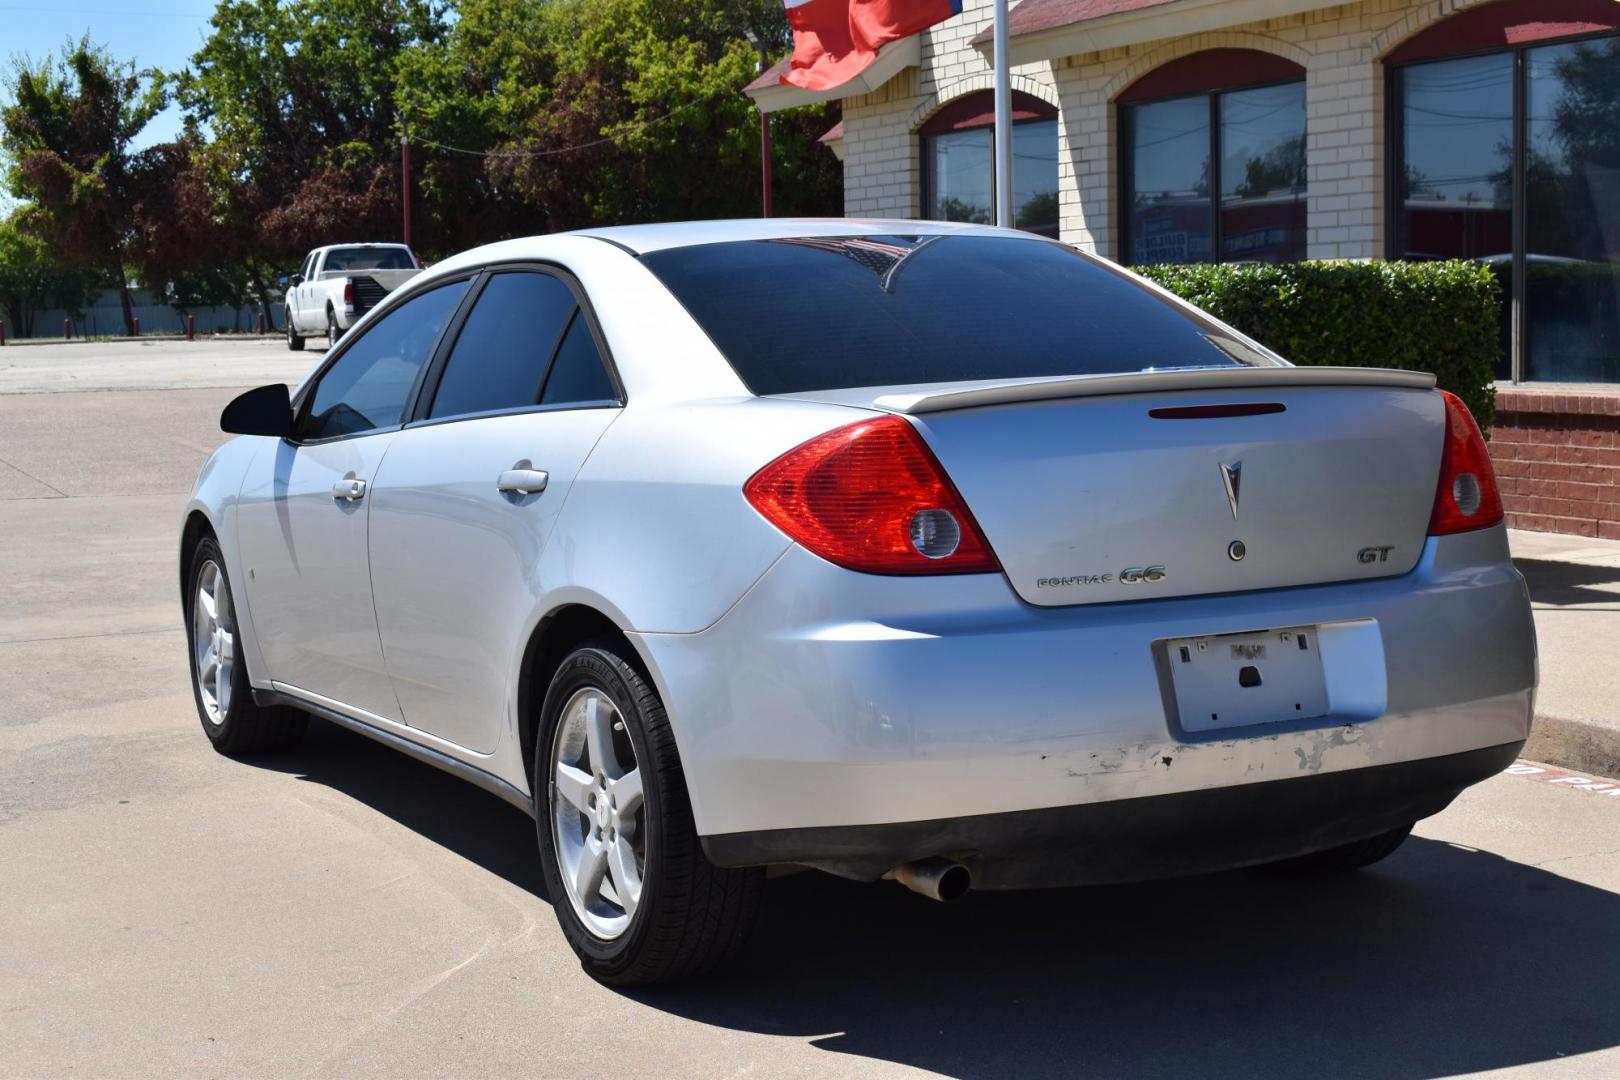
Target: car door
[469,493]
[302,518]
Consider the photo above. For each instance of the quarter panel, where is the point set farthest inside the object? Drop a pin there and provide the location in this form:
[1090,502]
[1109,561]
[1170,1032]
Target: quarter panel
[657,521]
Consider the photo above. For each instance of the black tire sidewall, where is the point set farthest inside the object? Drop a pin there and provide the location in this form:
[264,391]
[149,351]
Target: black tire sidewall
[207,551]
[596,666]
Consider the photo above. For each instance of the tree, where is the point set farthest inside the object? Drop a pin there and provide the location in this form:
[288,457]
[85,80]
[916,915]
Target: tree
[553,115]
[68,135]
[300,99]
[32,276]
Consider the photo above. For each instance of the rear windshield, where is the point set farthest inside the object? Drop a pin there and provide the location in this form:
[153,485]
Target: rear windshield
[360,258]
[823,313]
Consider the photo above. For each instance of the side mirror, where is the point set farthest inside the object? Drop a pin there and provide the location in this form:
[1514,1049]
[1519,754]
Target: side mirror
[266,410]
[296,280]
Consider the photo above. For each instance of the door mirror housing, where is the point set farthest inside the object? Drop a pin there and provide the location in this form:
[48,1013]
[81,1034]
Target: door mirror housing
[266,410]
[296,280]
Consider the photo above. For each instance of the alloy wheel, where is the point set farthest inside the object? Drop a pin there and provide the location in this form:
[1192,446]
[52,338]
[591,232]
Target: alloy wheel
[598,813]
[214,641]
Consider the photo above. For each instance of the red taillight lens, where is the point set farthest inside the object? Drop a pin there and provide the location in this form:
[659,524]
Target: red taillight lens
[871,496]
[348,292]
[1466,497]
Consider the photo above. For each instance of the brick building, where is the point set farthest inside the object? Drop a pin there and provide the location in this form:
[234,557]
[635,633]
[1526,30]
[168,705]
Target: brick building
[1278,130]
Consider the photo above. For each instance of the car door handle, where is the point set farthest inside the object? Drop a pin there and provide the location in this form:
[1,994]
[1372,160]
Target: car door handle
[349,490]
[522,481]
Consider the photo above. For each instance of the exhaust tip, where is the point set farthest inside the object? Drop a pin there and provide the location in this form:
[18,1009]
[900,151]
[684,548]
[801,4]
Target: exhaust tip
[937,879]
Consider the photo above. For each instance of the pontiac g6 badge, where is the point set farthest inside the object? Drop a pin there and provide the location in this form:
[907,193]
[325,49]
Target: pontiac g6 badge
[1232,477]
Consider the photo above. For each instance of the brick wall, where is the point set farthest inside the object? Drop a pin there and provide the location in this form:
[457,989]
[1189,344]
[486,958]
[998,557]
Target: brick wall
[1557,459]
[1338,46]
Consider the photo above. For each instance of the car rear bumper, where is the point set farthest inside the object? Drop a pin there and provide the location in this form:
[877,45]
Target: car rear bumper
[1136,839]
[827,699]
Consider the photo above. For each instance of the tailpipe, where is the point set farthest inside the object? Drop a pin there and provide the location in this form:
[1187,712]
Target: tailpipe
[937,879]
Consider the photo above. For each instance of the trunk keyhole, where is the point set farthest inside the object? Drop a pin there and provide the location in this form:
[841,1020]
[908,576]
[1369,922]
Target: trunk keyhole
[1249,676]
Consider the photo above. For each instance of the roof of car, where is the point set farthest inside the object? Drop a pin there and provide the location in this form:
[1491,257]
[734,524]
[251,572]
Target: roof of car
[642,239]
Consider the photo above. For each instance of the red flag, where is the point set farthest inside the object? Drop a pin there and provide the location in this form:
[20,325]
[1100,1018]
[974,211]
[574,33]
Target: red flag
[835,40]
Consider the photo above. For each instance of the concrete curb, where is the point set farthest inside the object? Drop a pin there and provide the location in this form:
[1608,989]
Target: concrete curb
[1587,746]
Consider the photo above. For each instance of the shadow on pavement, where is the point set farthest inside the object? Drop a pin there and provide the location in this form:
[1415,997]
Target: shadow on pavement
[1570,584]
[1440,960]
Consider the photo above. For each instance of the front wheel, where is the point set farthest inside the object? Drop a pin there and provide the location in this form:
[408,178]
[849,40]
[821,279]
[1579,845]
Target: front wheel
[233,722]
[636,898]
[294,341]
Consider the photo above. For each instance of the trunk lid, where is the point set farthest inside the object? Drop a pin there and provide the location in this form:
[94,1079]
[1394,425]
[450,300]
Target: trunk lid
[1141,495]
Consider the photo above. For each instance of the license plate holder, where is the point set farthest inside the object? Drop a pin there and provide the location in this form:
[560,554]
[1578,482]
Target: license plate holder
[1242,680]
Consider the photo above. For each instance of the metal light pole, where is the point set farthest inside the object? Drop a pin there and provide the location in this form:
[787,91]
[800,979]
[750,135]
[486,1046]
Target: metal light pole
[765,163]
[405,182]
[1003,136]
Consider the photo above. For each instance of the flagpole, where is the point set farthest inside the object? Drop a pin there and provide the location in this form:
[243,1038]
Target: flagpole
[1003,137]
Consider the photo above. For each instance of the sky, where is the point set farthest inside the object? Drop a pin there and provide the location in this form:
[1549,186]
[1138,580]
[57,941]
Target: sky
[155,33]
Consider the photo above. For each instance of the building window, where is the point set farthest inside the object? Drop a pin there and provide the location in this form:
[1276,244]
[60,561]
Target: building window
[1510,154]
[958,162]
[1216,175]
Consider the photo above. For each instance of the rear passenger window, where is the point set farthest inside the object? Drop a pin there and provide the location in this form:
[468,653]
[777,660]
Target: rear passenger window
[499,359]
[578,376]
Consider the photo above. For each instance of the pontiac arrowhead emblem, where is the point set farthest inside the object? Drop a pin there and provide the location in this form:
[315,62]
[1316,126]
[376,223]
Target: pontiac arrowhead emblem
[1232,477]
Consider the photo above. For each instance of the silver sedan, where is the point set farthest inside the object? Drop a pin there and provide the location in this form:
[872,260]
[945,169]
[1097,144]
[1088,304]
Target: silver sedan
[942,554]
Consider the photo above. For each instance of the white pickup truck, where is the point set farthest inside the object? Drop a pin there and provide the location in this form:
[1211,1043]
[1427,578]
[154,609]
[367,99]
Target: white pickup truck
[341,282]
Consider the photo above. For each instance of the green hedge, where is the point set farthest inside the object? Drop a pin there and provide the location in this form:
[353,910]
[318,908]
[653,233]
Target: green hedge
[1420,316]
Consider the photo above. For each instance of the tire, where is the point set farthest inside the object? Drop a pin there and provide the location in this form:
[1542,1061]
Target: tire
[689,916]
[233,722]
[294,341]
[1345,859]
[333,333]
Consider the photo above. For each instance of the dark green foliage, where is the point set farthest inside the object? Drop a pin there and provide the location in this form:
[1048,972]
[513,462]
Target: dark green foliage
[1419,316]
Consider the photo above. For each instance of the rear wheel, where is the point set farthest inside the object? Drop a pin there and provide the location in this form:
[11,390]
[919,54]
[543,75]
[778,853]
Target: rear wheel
[230,718]
[1349,857]
[294,341]
[624,868]
[333,333]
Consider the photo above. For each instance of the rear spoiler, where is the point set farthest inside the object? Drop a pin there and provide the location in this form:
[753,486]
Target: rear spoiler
[1149,382]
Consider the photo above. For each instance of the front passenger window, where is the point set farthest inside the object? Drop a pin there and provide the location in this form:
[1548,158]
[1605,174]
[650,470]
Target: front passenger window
[368,386]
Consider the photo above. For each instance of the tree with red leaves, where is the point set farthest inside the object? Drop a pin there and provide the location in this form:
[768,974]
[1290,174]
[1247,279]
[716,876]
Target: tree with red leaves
[67,135]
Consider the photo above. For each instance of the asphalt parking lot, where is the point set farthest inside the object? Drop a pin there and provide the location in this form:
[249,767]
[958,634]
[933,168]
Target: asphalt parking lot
[343,911]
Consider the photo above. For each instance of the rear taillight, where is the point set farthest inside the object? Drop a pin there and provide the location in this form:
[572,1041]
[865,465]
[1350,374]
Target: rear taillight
[1466,497]
[871,496]
[348,293]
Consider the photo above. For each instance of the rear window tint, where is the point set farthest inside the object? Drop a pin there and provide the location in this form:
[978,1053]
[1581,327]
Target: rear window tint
[824,313]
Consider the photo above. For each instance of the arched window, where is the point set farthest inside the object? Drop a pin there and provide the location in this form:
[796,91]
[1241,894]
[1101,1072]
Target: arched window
[1213,160]
[1506,149]
[957,162]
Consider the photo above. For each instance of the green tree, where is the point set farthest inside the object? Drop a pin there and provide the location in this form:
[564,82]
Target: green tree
[32,276]
[554,114]
[67,136]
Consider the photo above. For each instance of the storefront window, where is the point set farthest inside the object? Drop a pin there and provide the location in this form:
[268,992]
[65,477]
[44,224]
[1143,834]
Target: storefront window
[1572,212]
[1512,158]
[1216,176]
[958,166]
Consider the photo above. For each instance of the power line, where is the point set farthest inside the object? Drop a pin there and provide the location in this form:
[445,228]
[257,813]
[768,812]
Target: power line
[569,149]
[199,15]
